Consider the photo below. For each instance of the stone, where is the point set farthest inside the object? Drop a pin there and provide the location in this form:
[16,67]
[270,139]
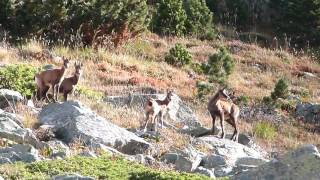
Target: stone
[302,163]
[58,149]
[73,121]
[206,172]
[212,161]
[19,152]
[186,160]
[228,157]
[11,128]
[308,112]
[9,98]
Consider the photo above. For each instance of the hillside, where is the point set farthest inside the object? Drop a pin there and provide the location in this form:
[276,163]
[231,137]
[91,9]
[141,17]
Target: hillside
[138,67]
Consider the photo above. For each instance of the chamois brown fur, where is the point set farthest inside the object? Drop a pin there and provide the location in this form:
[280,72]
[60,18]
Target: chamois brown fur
[68,84]
[51,78]
[219,106]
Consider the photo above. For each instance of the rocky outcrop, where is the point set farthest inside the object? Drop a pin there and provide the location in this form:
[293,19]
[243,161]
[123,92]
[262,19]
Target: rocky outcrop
[186,160]
[260,111]
[303,163]
[228,157]
[308,112]
[11,128]
[9,97]
[178,111]
[19,152]
[72,121]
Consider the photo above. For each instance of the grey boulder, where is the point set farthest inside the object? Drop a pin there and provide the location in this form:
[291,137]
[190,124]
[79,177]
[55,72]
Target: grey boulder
[19,152]
[303,163]
[9,98]
[11,128]
[73,121]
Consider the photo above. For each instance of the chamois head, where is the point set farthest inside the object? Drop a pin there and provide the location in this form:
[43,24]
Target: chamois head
[169,94]
[65,62]
[78,67]
[223,94]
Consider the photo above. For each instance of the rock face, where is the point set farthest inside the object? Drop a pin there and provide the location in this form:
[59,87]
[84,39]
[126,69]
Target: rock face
[178,111]
[11,128]
[303,163]
[19,152]
[310,113]
[228,157]
[8,96]
[260,112]
[186,160]
[72,122]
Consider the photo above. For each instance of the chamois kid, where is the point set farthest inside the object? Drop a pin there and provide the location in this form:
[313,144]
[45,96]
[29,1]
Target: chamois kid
[156,107]
[68,84]
[51,78]
[219,106]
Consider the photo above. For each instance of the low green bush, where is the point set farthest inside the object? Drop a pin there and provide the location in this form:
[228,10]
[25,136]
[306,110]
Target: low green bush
[203,89]
[105,167]
[178,56]
[18,78]
[264,130]
[219,66]
[88,93]
[281,90]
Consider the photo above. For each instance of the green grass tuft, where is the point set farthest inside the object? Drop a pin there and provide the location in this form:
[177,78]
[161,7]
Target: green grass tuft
[105,167]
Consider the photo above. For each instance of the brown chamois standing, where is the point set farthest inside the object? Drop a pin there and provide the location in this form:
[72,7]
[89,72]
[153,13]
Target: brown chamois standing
[225,110]
[51,78]
[156,107]
[68,84]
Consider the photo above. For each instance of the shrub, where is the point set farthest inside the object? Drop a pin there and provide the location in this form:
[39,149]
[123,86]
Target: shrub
[298,19]
[18,78]
[91,20]
[89,93]
[219,66]
[203,89]
[170,18]
[178,56]
[243,100]
[199,18]
[264,130]
[267,100]
[281,90]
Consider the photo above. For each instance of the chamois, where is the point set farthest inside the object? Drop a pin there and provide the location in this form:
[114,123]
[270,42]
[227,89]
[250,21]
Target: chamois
[50,78]
[68,84]
[219,106]
[156,107]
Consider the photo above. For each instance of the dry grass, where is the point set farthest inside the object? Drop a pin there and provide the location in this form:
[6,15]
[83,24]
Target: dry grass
[140,63]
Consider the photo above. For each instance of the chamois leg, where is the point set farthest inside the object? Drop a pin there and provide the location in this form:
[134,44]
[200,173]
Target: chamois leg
[146,120]
[161,118]
[57,91]
[155,120]
[65,96]
[47,97]
[213,115]
[222,125]
[43,93]
[235,133]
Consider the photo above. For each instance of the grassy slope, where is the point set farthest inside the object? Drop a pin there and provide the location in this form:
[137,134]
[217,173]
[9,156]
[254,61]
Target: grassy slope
[105,167]
[140,64]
